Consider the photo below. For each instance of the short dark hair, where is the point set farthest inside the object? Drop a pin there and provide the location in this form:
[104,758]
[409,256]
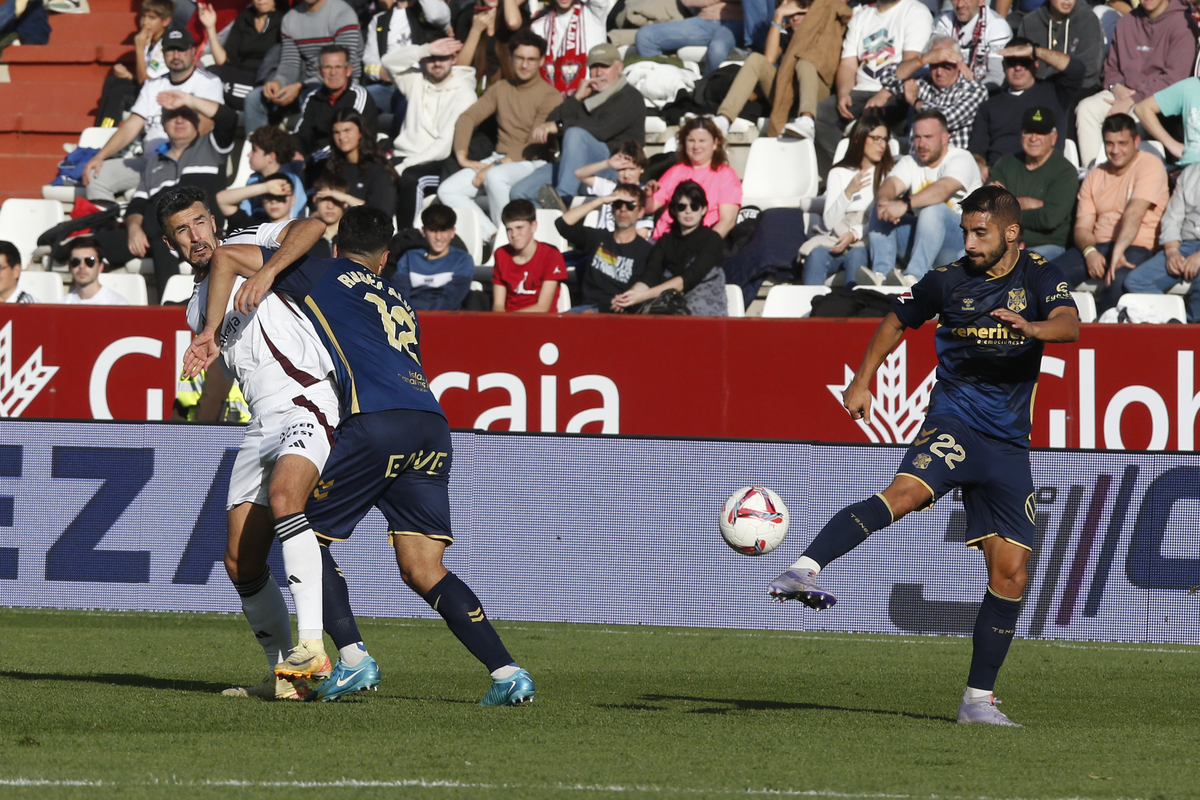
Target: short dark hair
[10,252]
[272,140]
[438,218]
[997,202]
[1115,123]
[631,148]
[365,231]
[931,113]
[333,48]
[519,211]
[692,192]
[163,9]
[633,189]
[180,198]
[191,114]
[1021,41]
[87,243]
[328,180]
[526,37]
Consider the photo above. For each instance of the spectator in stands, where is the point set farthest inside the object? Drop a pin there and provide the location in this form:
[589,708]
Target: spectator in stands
[305,30]
[437,93]
[10,275]
[1119,208]
[716,25]
[997,128]
[571,29]
[251,36]
[849,194]
[484,30]
[917,208]
[355,158]
[527,272]
[950,87]
[812,63]
[1153,47]
[1070,27]
[701,158]
[878,38]
[1179,259]
[335,95]
[616,257]
[86,264]
[107,174]
[981,33]
[273,199]
[330,201]
[121,86]
[686,259]
[436,277]
[519,105]
[393,30]
[627,166]
[603,112]
[272,155]
[187,159]
[1044,182]
[1177,100]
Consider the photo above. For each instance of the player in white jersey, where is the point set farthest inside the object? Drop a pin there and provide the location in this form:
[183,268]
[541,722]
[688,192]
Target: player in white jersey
[287,378]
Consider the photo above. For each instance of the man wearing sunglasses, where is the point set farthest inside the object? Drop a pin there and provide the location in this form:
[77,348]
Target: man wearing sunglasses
[949,87]
[86,265]
[617,257]
[997,128]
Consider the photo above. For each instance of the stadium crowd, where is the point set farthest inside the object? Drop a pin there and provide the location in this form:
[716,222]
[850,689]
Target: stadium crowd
[460,121]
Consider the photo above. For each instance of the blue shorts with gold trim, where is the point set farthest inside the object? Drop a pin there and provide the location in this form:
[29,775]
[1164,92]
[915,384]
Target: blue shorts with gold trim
[996,482]
[397,461]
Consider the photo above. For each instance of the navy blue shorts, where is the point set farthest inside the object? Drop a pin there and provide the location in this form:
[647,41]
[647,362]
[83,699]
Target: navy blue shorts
[398,461]
[997,485]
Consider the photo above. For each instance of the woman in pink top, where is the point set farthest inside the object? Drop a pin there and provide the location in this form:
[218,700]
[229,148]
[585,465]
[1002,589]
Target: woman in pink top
[702,159]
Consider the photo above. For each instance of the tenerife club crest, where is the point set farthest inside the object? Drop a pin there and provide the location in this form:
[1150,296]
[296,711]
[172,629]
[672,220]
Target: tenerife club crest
[1016,301]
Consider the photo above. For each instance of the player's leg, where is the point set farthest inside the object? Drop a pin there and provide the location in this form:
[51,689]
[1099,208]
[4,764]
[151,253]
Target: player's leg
[246,549]
[292,481]
[420,560]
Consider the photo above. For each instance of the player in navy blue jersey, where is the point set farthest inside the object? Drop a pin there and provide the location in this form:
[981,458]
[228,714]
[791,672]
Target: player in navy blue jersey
[996,307]
[392,447]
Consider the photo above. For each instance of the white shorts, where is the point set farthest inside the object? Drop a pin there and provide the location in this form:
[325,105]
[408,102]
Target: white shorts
[305,429]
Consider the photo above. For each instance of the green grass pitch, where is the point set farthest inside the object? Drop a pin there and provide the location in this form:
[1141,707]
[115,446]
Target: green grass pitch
[99,705]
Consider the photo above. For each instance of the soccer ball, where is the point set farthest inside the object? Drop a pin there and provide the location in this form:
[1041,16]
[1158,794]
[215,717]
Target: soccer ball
[754,520]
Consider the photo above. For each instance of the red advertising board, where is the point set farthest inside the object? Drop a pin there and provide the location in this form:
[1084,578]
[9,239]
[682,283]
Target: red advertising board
[1119,387]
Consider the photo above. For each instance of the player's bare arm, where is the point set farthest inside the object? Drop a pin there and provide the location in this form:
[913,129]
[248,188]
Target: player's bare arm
[857,396]
[228,261]
[1062,324]
[297,239]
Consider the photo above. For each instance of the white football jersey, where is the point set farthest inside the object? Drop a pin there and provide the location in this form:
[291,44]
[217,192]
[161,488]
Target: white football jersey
[273,352]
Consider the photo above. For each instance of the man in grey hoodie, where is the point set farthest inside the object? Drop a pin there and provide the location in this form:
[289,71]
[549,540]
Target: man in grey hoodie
[1068,26]
[1179,259]
[1153,47]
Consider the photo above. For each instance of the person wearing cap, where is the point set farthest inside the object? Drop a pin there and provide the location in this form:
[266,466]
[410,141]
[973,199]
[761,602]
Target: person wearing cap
[107,174]
[603,112]
[949,87]
[997,128]
[187,158]
[1044,183]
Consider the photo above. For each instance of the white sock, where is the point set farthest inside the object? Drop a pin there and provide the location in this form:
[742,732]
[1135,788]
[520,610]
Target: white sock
[302,562]
[804,562]
[264,609]
[972,696]
[353,654]
[505,672]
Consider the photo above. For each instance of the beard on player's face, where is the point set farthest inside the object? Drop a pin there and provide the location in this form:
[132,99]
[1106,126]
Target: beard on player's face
[983,260]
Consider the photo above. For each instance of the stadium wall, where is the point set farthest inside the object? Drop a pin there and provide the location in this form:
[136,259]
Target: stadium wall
[618,530]
[1119,387]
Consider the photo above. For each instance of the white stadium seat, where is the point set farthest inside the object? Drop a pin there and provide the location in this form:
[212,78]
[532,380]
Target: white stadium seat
[564,298]
[178,290]
[1086,303]
[734,300]
[131,287]
[791,301]
[1159,307]
[47,287]
[243,172]
[883,289]
[468,229]
[96,137]
[779,173]
[22,221]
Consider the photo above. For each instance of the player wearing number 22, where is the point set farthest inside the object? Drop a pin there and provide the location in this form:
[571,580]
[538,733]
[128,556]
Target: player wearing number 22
[997,307]
[392,448]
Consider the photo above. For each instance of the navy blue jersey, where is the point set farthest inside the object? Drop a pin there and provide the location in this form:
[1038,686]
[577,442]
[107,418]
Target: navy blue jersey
[987,374]
[370,331]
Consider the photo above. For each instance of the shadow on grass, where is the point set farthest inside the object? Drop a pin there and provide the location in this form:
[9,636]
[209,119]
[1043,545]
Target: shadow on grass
[727,705]
[120,679]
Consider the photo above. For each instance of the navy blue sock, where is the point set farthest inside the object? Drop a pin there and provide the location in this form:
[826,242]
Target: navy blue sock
[994,629]
[339,619]
[464,615]
[849,528]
